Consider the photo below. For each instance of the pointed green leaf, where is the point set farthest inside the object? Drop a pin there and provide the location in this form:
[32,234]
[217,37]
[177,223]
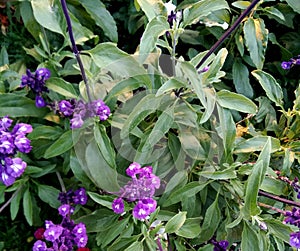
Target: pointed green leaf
[151,8]
[136,246]
[62,87]
[240,75]
[49,195]
[49,16]
[211,221]
[294,4]
[175,223]
[250,239]
[190,229]
[102,18]
[171,84]
[157,27]
[236,102]
[202,9]
[270,85]
[256,38]
[27,207]
[256,144]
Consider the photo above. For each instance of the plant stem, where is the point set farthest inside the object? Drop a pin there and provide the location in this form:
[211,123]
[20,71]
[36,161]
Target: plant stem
[61,182]
[159,245]
[274,197]
[10,199]
[74,48]
[271,207]
[228,32]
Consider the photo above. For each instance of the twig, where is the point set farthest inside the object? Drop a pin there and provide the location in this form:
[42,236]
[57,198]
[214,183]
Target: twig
[61,182]
[228,32]
[271,207]
[10,199]
[274,197]
[74,48]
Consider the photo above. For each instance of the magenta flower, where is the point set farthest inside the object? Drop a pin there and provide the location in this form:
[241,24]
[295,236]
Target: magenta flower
[295,239]
[39,246]
[141,211]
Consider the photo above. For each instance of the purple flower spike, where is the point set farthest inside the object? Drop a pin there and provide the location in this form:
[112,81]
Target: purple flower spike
[76,121]
[39,246]
[22,128]
[66,108]
[42,74]
[5,123]
[118,206]
[151,203]
[295,239]
[23,144]
[141,211]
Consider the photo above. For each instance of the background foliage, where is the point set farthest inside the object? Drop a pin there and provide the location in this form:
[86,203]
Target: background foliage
[218,139]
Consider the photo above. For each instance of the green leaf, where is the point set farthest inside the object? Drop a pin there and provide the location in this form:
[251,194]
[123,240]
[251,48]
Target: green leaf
[49,16]
[294,4]
[27,206]
[136,246]
[154,29]
[256,38]
[172,84]
[104,200]
[236,102]
[19,106]
[190,229]
[226,131]
[62,145]
[250,239]
[279,229]
[45,132]
[214,72]
[270,85]
[49,195]
[123,242]
[175,223]
[186,191]
[102,18]
[29,21]
[225,174]
[62,87]
[241,4]
[240,75]
[101,173]
[202,9]
[151,8]
[108,56]
[256,144]
[211,221]
[105,145]
[15,204]
[145,106]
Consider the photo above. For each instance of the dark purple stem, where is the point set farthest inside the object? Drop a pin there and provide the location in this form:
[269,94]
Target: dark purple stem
[228,32]
[274,197]
[74,48]
[159,245]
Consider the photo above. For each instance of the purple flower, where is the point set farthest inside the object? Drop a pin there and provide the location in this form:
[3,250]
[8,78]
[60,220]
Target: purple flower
[42,74]
[15,167]
[286,65]
[22,128]
[65,210]
[293,217]
[39,246]
[220,245]
[103,112]
[118,206]
[5,123]
[133,169]
[151,203]
[295,239]
[23,144]
[7,146]
[53,233]
[6,179]
[39,102]
[80,196]
[66,108]
[141,211]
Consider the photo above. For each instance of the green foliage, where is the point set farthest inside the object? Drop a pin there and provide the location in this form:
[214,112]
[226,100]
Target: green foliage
[216,135]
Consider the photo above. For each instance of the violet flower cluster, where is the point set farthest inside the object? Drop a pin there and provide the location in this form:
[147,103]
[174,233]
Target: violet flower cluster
[66,235]
[220,245]
[286,65]
[12,142]
[140,189]
[78,111]
[36,82]
[293,218]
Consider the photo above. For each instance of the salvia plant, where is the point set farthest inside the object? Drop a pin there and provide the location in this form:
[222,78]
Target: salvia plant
[150,125]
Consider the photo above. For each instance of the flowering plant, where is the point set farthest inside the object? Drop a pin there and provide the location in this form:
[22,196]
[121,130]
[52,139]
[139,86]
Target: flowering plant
[164,125]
